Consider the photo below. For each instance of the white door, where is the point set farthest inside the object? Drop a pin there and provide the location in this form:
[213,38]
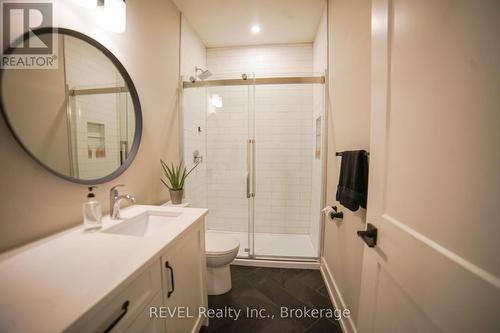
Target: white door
[434,185]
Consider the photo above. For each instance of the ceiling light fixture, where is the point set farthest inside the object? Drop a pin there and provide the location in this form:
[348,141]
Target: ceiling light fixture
[255,29]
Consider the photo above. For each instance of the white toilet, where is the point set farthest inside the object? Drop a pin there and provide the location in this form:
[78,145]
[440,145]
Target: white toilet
[220,250]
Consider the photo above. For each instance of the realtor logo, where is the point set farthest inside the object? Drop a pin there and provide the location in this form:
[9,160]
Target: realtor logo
[23,45]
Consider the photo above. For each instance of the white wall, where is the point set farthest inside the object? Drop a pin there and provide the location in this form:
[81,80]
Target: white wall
[194,110]
[349,29]
[283,131]
[320,64]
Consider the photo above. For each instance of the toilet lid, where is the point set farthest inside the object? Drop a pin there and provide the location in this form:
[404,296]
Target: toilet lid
[217,243]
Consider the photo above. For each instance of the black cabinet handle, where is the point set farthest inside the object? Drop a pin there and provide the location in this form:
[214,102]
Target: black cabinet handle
[171,279]
[123,312]
[369,235]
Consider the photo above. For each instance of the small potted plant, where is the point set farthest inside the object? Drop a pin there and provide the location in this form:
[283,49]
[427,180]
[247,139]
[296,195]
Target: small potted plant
[176,176]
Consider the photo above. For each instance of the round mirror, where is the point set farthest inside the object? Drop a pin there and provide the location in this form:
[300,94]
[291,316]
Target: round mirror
[73,108]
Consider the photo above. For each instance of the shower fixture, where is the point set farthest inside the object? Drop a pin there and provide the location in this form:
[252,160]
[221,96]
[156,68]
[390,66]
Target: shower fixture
[204,74]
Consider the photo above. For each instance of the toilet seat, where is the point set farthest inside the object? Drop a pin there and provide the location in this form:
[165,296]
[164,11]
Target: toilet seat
[217,244]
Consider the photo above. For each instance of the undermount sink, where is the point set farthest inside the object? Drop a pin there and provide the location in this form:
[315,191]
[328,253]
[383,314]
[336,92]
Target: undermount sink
[144,224]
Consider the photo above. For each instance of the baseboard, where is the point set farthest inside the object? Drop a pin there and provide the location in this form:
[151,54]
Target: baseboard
[347,324]
[276,263]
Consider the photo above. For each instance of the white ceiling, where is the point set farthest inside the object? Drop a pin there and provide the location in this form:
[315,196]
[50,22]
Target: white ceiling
[228,22]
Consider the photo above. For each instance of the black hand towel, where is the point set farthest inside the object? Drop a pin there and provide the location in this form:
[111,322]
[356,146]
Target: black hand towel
[353,181]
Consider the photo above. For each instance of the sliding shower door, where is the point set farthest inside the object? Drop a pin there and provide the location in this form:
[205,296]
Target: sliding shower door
[289,120]
[261,144]
[229,173]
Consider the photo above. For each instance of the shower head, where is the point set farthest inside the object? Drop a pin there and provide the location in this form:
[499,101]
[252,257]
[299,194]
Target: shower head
[204,74]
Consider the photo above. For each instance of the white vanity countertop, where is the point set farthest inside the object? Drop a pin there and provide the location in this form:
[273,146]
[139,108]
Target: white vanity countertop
[47,285]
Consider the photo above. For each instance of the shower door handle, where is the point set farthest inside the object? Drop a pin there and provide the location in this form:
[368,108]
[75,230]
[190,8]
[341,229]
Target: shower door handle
[248,185]
[253,167]
[250,168]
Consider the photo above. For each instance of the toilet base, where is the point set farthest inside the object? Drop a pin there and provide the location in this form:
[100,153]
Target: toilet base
[218,280]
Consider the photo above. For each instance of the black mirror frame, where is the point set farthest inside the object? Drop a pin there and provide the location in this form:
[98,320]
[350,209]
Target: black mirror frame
[133,94]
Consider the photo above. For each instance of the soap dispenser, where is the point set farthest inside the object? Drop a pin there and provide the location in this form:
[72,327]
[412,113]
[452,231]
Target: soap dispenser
[92,212]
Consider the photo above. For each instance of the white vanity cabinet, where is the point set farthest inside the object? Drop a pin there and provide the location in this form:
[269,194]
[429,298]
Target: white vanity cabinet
[145,273]
[174,284]
[143,323]
[184,281]
[183,274]
[120,309]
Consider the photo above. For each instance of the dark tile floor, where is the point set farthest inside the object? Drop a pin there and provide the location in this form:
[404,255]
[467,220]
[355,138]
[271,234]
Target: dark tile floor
[271,289]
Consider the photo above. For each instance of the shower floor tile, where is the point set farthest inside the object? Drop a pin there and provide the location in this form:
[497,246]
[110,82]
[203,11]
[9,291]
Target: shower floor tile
[281,245]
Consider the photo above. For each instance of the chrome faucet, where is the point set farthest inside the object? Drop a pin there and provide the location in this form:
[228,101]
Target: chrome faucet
[115,200]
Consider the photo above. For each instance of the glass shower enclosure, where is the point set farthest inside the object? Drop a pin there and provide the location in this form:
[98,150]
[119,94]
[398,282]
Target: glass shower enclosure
[259,141]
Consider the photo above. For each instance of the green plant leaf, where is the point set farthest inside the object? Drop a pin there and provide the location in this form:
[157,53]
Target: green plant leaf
[165,184]
[175,178]
[183,177]
[171,174]
[163,165]
[176,174]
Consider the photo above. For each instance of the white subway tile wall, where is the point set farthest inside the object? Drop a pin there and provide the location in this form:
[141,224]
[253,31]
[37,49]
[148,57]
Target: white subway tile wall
[194,110]
[226,160]
[265,59]
[283,126]
[283,153]
[283,132]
